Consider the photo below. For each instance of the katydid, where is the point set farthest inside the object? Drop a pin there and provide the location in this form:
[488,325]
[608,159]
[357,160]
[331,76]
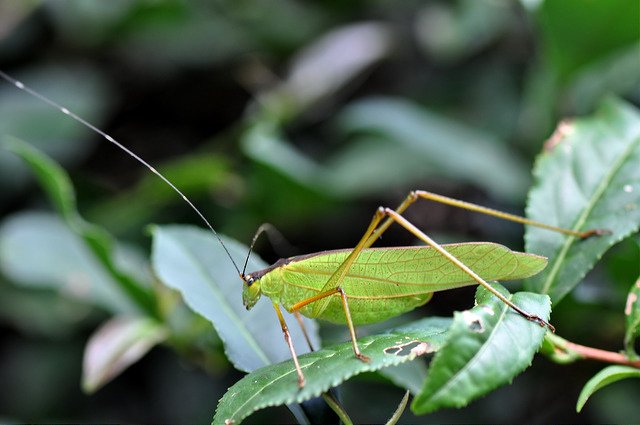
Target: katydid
[364,284]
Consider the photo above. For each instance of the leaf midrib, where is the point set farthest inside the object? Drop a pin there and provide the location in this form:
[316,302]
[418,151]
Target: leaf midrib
[582,218]
[248,336]
[474,359]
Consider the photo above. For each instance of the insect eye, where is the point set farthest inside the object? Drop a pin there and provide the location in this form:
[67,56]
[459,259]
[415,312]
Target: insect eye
[249,280]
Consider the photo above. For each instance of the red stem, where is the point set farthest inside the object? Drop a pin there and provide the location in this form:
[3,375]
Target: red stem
[600,355]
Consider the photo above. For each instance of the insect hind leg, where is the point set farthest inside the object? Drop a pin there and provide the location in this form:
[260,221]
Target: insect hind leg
[416,195]
[395,216]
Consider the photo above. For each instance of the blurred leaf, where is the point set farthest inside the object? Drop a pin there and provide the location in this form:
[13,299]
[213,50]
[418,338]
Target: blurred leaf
[407,375]
[486,347]
[58,187]
[194,175]
[51,314]
[193,262]
[115,346]
[614,74]
[263,142]
[445,146]
[632,313]
[95,20]
[327,65]
[587,178]
[393,131]
[277,384]
[576,33]
[38,250]
[80,89]
[188,35]
[606,376]
[362,167]
[451,31]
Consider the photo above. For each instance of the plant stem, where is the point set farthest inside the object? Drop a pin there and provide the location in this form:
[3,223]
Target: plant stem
[396,415]
[567,350]
[335,406]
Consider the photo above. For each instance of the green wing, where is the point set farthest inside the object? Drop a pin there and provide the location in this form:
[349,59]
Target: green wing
[390,278]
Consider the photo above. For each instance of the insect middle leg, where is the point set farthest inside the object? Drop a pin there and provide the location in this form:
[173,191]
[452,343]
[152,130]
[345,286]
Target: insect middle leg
[333,287]
[347,312]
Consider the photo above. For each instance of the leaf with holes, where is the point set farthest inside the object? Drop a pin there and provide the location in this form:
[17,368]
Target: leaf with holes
[276,385]
[587,178]
[486,347]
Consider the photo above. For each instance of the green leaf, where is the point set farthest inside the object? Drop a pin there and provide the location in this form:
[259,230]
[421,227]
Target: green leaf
[57,185]
[193,262]
[116,345]
[587,178]
[606,376]
[486,347]
[264,143]
[590,36]
[305,87]
[38,250]
[632,314]
[81,89]
[438,142]
[406,375]
[277,384]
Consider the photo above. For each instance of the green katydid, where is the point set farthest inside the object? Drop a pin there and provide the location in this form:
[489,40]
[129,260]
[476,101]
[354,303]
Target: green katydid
[364,284]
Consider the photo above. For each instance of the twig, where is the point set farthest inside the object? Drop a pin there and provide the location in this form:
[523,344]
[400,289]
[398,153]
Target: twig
[569,351]
[335,406]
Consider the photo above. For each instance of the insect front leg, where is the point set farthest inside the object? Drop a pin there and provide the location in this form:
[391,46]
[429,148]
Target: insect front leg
[298,317]
[287,338]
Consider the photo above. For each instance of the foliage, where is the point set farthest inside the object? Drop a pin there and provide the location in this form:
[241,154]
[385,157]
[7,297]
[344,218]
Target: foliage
[309,116]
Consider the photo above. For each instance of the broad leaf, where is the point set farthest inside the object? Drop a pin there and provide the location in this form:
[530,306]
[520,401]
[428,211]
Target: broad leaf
[606,376]
[116,345]
[38,250]
[407,375]
[590,36]
[486,347]
[587,178]
[57,185]
[438,141]
[193,262]
[277,384]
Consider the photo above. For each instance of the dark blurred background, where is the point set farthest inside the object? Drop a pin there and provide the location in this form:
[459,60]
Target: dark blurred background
[307,115]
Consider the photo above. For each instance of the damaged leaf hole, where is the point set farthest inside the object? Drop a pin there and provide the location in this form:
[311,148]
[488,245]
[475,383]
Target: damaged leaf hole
[417,348]
[473,321]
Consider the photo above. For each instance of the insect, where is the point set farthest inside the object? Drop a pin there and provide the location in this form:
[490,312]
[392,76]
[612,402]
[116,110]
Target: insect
[364,284]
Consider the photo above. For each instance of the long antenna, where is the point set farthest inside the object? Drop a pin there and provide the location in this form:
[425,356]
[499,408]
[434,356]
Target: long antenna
[110,139]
